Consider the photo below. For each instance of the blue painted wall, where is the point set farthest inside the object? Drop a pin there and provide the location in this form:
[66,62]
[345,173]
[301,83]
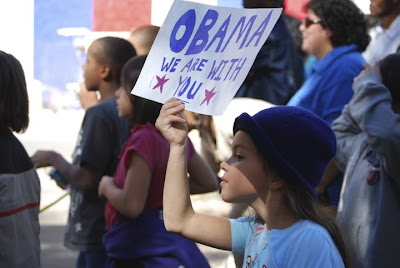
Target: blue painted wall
[55,59]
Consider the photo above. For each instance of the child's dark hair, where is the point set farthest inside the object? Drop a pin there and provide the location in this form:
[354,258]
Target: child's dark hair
[144,110]
[115,52]
[14,102]
[346,21]
[390,69]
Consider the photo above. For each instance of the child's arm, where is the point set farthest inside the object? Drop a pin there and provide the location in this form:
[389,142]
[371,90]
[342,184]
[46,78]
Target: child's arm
[202,178]
[130,200]
[82,176]
[371,109]
[179,216]
[331,173]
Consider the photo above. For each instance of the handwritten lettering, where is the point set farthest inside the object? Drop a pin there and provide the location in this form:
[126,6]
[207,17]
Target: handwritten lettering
[243,30]
[197,65]
[217,72]
[169,66]
[184,85]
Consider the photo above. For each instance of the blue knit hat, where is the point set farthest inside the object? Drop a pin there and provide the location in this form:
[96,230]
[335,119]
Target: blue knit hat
[296,143]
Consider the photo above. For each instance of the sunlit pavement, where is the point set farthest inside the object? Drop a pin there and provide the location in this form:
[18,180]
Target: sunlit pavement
[58,131]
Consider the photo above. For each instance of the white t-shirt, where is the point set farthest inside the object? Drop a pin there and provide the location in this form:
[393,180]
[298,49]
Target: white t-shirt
[304,244]
[382,42]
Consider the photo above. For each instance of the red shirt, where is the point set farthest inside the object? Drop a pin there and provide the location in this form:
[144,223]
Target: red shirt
[148,142]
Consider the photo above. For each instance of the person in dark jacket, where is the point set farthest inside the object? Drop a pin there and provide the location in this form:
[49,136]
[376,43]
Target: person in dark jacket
[277,71]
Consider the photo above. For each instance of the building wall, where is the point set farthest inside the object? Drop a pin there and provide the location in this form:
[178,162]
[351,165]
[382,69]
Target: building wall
[116,15]
[57,63]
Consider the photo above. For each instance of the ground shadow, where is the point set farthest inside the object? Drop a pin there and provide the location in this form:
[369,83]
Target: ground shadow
[54,254]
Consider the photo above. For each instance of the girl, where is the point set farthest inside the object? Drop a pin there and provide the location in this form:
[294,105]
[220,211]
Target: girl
[278,157]
[136,234]
[19,182]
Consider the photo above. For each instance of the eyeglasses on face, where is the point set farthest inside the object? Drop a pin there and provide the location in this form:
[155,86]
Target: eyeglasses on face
[307,22]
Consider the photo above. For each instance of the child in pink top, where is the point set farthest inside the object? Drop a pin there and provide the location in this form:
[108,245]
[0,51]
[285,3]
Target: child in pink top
[136,234]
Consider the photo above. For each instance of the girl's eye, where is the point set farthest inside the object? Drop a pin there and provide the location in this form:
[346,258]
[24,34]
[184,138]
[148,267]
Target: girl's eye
[238,157]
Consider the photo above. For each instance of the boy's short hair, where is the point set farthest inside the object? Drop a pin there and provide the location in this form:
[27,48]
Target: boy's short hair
[14,102]
[116,52]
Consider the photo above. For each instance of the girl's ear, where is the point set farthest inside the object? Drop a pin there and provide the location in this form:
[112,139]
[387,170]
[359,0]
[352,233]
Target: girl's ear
[276,183]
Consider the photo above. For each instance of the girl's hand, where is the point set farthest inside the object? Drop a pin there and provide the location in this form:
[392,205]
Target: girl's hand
[104,184]
[171,122]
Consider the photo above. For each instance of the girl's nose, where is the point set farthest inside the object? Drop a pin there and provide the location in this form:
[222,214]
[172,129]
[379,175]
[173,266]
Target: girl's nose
[224,164]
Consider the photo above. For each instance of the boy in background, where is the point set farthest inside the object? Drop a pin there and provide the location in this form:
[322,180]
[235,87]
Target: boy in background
[99,142]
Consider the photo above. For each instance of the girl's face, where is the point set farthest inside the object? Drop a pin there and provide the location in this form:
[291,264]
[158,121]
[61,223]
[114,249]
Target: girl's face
[316,39]
[245,178]
[124,104]
[92,69]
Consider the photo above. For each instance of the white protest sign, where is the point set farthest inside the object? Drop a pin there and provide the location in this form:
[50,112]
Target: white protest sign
[202,54]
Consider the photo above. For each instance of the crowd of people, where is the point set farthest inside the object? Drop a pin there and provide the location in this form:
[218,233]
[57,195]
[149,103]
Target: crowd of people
[310,147]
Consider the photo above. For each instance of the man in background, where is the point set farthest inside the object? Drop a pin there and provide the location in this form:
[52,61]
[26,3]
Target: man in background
[277,71]
[385,35]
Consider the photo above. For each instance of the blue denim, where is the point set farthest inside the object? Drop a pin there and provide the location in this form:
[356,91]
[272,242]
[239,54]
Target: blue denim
[91,259]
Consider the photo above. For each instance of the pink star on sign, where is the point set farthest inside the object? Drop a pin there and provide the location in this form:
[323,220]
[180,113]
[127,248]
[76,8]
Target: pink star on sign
[209,95]
[160,82]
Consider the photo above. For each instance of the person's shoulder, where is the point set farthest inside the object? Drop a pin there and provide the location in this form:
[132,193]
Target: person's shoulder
[396,24]
[313,235]
[246,224]
[350,63]
[307,239]
[144,129]
[340,59]
[146,132]
[13,156]
[104,109]
[350,54]
[353,58]
[248,220]
[105,105]
[310,225]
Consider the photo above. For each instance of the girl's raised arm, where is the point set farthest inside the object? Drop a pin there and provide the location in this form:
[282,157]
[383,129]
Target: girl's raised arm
[202,179]
[179,216]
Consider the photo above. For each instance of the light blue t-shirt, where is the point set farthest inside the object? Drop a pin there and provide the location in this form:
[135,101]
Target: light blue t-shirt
[304,244]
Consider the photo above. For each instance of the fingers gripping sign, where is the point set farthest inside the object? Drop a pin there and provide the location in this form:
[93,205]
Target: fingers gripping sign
[171,123]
